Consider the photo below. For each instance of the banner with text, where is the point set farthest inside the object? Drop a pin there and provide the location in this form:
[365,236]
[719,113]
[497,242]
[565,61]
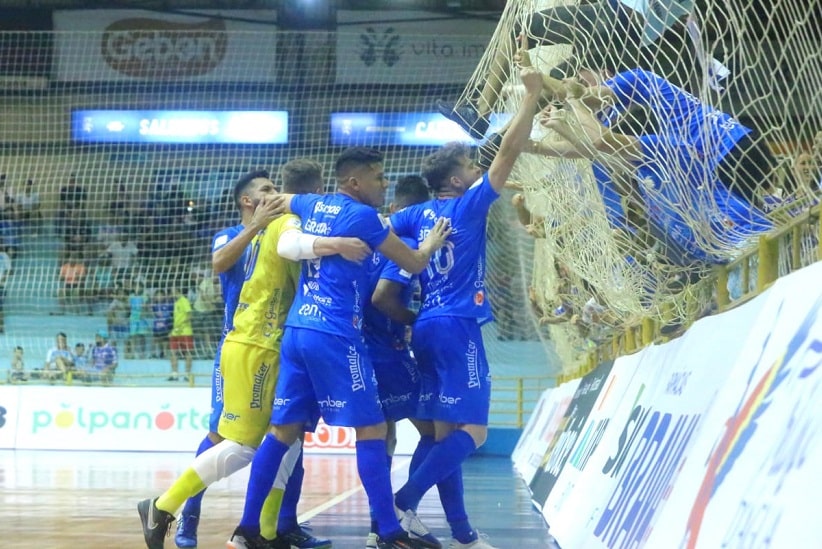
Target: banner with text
[139,45]
[391,47]
[9,401]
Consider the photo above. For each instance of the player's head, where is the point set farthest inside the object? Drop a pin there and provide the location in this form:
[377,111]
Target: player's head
[62,340]
[360,174]
[451,169]
[302,176]
[251,188]
[411,189]
[18,351]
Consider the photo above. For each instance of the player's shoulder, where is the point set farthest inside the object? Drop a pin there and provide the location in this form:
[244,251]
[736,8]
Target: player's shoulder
[223,236]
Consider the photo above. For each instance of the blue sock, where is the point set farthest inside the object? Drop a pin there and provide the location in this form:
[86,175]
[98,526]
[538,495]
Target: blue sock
[374,526]
[192,506]
[264,468]
[452,497]
[371,464]
[420,453]
[293,489]
[442,460]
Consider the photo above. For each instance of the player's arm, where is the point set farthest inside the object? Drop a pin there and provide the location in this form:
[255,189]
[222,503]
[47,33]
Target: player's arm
[515,139]
[414,261]
[387,298]
[296,245]
[227,256]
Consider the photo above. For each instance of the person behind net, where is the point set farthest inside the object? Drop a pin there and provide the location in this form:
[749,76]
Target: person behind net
[229,253]
[604,33]
[250,357]
[325,369]
[454,302]
[387,317]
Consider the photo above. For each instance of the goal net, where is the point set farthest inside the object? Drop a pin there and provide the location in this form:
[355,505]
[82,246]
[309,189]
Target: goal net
[669,141]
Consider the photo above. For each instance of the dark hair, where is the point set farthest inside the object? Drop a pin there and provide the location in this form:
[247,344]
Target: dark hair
[301,175]
[356,157]
[18,348]
[411,189]
[441,165]
[62,334]
[242,185]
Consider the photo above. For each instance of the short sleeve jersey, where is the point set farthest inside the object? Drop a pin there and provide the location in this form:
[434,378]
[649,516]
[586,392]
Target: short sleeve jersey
[231,281]
[330,296]
[686,183]
[182,318]
[453,284]
[268,288]
[383,335]
[681,116]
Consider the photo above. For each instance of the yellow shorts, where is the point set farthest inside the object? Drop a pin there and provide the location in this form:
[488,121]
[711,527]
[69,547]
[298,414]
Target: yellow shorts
[249,377]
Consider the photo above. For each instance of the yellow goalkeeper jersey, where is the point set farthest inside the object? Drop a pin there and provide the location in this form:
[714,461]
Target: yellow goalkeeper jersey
[268,289]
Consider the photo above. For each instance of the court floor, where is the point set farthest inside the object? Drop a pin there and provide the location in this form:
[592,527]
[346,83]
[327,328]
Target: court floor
[88,499]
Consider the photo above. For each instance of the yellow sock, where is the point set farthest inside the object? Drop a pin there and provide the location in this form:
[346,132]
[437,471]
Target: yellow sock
[187,485]
[270,514]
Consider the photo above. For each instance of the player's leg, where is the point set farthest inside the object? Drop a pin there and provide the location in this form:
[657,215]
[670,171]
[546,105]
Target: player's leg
[173,350]
[190,517]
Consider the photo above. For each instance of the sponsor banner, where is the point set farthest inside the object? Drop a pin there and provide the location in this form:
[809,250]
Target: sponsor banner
[534,426]
[135,45]
[564,439]
[393,47]
[753,479]
[328,439]
[646,445]
[532,455]
[9,400]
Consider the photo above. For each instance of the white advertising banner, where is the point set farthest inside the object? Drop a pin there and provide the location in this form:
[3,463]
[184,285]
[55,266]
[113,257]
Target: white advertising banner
[137,45]
[754,477]
[409,47]
[533,427]
[9,399]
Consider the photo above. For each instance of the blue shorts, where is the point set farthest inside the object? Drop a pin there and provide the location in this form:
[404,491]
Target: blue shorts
[398,384]
[456,380]
[216,390]
[325,375]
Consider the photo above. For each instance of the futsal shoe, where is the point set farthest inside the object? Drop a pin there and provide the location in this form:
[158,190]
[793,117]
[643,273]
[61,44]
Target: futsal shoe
[240,540]
[156,523]
[410,522]
[371,541]
[186,536]
[466,116]
[480,543]
[404,541]
[301,538]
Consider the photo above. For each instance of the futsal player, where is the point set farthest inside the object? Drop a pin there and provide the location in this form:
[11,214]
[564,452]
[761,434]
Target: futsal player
[447,340]
[325,369]
[250,356]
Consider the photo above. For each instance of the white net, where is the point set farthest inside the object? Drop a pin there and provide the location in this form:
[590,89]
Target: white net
[133,126]
[683,117]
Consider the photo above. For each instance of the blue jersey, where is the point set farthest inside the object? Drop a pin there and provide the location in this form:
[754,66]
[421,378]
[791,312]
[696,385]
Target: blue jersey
[453,284]
[611,198]
[672,183]
[383,335]
[331,293]
[681,116]
[231,281]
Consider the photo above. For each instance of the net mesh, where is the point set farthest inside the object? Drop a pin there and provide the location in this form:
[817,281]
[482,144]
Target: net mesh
[688,159]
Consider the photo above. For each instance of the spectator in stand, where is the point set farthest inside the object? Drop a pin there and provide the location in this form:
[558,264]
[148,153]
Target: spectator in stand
[163,310]
[18,368]
[802,185]
[817,157]
[207,316]
[117,316]
[8,217]
[103,360]
[138,306]
[72,278]
[181,338]
[59,360]
[5,271]
[72,198]
[122,256]
[79,357]
[28,204]
[77,233]
[119,209]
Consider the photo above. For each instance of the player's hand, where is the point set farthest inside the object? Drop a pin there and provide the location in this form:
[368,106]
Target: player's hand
[280,204]
[353,249]
[513,185]
[553,118]
[532,80]
[518,200]
[438,235]
[264,213]
[521,57]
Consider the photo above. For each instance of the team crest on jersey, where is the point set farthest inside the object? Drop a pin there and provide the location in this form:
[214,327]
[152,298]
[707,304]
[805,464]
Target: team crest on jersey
[220,240]
[479,298]
[428,213]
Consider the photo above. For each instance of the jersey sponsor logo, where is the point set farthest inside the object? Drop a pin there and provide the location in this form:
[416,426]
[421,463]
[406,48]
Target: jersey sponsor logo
[426,397]
[220,241]
[257,387]
[479,298]
[322,207]
[396,399]
[228,416]
[355,369]
[445,399]
[281,401]
[471,356]
[314,227]
[329,402]
[308,309]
